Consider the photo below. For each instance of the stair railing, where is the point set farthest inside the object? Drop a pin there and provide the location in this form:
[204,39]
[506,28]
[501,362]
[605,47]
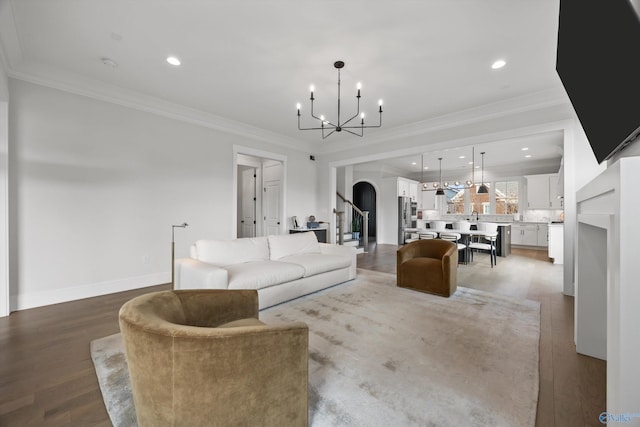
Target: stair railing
[359,223]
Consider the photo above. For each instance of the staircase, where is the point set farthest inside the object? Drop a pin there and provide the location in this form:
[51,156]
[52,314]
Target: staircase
[348,240]
[359,222]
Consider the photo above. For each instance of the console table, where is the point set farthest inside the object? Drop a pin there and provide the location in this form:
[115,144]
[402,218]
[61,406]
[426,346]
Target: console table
[321,233]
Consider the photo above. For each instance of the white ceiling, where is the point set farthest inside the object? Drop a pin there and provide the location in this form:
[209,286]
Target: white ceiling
[250,62]
[504,158]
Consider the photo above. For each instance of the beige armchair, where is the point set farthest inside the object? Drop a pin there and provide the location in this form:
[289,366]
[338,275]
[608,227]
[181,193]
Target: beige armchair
[428,266]
[202,358]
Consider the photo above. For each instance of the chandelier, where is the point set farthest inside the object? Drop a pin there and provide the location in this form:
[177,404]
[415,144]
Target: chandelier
[339,126]
[439,187]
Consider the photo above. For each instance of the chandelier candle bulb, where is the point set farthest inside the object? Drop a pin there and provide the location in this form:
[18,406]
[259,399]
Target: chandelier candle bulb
[341,124]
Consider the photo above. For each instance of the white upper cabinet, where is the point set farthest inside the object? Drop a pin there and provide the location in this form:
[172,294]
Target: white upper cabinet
[403,187]
[413,191]
[408,188]
[542,192]
[555,193]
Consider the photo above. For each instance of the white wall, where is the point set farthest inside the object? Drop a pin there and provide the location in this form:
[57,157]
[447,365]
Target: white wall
[580,167]
[95,188]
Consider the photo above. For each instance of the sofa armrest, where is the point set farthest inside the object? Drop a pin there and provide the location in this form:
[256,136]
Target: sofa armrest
[193,274]
[346,251]
[450,267]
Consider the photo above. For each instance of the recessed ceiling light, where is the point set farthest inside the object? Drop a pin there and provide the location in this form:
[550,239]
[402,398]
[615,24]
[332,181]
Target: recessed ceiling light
[426,167]
[413,163]
[528,155]
[470,163]
[477,167]
[461,157]
[173,60]
[498,64]
[524,148]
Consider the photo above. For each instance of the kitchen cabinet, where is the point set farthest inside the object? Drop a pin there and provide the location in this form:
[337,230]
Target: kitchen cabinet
[556,243]
[529,234]
[555,193]
[543,235]
[408,187]
[542,192]
[403,187]
[524,234]
[413,191]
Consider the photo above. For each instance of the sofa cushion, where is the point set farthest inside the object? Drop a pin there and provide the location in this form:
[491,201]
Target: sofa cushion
[318,263]
[262,274]
[292,244]
[227,252]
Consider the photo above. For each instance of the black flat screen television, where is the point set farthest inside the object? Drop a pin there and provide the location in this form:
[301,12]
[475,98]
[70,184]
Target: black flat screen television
[598,61]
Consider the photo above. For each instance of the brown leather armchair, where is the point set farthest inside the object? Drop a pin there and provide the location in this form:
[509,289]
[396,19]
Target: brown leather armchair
[428,266]
[202,358]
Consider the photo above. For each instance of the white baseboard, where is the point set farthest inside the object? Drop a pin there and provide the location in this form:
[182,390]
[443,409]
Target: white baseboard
[56,296]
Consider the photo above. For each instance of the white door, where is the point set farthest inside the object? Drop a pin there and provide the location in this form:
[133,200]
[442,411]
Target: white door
[248,203]
[272,196]
[272,207]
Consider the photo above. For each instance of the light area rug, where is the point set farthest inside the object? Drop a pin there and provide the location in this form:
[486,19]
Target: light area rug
[380,355]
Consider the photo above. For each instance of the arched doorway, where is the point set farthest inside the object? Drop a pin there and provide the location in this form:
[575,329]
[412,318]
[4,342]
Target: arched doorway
[364,197]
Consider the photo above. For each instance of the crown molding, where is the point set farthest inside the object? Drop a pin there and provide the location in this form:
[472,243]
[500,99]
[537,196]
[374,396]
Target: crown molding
[502,109]
[131,99]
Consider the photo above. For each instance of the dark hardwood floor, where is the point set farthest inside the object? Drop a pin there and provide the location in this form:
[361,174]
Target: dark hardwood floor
[46,373]
[47,376]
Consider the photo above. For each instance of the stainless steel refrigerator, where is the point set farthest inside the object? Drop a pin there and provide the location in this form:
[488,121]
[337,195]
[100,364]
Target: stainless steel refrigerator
[406,216]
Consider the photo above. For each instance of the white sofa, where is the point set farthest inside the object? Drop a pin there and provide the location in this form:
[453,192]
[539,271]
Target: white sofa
[280,268]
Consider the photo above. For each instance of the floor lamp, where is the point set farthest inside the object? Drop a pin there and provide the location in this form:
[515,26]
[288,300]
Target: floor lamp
[173,252]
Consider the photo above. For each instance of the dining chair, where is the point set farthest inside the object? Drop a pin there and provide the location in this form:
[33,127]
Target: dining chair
[486,242]
[466,238]
[455,238]
[462,225]
[426,235]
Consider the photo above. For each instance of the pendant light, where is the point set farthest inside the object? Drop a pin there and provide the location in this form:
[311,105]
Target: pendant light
[423,184]
[469,182]
[440,191]
[483,188]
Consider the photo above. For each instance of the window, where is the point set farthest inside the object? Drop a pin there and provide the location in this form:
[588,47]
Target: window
[455,199]
[480,202]
[506,197]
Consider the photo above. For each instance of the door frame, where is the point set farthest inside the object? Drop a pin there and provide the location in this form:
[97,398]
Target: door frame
[5,294]
[377,190]
[253,152]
